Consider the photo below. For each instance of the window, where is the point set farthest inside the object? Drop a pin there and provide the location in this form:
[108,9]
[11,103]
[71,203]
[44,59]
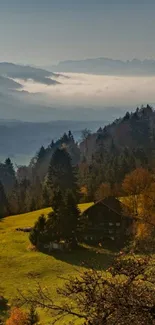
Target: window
[118,224]
[110,224]
[110,231]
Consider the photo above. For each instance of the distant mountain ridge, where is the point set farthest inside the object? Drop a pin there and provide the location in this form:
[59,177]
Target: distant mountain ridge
[26,72]
[107,66]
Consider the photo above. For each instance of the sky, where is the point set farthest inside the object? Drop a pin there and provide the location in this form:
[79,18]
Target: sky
[42,32]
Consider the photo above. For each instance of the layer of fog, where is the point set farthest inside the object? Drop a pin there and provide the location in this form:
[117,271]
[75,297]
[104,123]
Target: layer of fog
[97,92]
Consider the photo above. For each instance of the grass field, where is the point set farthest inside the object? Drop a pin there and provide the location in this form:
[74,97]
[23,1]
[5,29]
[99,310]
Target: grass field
[18,263]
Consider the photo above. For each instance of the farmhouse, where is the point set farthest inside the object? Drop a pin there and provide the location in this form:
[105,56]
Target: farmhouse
[106,219]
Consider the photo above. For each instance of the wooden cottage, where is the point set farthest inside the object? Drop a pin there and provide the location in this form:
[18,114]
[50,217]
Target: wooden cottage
[106,219]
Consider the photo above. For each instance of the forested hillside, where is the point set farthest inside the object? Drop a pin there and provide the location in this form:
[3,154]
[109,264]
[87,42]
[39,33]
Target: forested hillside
[100,162]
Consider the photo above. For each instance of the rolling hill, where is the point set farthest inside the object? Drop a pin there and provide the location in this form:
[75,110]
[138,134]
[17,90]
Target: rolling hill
[21,267]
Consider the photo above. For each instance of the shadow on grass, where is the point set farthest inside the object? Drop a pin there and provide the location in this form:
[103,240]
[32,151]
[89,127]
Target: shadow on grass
[86,256]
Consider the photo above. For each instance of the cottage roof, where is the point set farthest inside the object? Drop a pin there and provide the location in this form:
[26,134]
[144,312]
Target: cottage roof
[113,204]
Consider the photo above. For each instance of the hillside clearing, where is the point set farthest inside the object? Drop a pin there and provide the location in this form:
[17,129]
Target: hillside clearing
[18,264]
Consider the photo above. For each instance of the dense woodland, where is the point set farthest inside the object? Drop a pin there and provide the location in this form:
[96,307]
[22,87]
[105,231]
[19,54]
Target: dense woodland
[96,166]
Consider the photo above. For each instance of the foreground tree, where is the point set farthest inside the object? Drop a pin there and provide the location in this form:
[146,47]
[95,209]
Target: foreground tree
[17,317]
[21,317]
[125,294]
[61,223]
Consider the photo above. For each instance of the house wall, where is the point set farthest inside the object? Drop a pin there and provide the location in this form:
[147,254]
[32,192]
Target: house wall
[102,222]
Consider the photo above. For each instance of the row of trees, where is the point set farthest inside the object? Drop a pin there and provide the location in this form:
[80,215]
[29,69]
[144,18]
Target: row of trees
[31,187]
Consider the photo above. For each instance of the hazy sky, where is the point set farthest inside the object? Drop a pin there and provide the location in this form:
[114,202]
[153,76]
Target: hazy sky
[44,31]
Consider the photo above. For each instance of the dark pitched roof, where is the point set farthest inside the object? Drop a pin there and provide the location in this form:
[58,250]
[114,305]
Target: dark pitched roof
[113,204]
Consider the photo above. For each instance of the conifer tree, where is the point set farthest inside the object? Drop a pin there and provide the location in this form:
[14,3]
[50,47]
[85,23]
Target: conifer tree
[4,208]
[37,235]
[61,174]
[10,168]
[45,197]
[7,175]
[71,217]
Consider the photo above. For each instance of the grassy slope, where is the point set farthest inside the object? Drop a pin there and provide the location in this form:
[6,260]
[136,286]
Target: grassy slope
[18,263]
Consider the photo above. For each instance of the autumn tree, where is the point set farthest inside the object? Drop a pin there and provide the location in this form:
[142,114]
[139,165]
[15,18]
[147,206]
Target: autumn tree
[124,294]
[83,193]
[135,185]
[17,317]
[141,205]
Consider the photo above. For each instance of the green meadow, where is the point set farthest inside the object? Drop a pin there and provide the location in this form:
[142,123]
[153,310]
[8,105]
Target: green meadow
[21,267]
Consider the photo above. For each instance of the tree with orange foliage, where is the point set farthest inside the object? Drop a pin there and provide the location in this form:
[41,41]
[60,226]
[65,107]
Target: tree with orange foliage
[140,190]
[135,185]
[84,193]
[20,317]
[17,317]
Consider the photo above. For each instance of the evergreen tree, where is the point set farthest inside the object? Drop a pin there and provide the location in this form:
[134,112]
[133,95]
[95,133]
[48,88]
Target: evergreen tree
[32,204]
[61,174]
[38,234]
[61,223]
[57,201]
[45,197]
[71,217]
[23,190]
[10,168]
[4,209]
[70,135]
[7,176]
[41,154]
